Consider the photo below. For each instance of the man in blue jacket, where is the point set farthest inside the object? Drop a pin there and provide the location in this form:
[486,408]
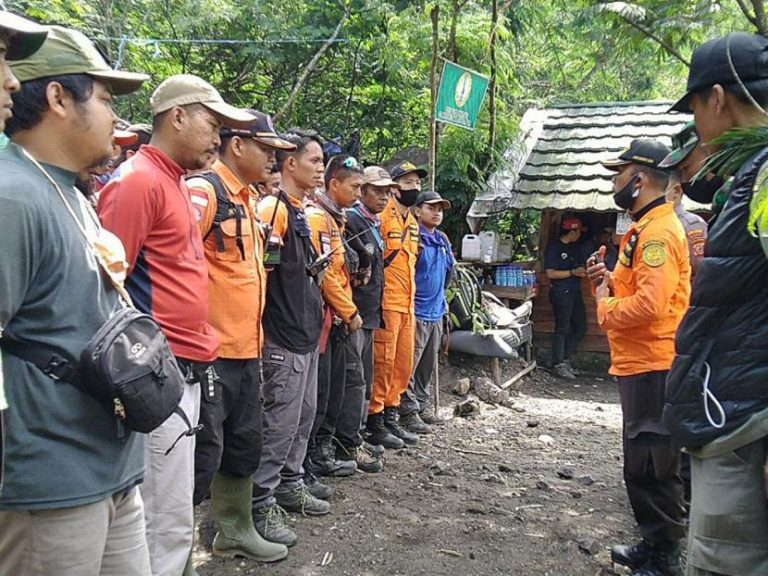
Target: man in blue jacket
[433,270]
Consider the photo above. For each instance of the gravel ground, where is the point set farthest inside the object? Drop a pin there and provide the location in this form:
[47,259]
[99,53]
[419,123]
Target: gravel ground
[530,488]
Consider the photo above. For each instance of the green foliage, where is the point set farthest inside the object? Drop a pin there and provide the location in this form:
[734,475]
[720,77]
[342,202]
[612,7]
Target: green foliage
[374,79]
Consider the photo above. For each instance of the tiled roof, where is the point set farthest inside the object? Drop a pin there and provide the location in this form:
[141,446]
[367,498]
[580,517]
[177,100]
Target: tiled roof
[555,162]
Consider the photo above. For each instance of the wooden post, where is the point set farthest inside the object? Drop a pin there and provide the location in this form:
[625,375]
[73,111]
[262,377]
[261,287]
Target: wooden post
[492,86]
[435,16]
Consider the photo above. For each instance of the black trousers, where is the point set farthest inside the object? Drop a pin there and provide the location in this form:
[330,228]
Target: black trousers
[331,380]
[570,322]
[357,389]
[230,412]
[651,459]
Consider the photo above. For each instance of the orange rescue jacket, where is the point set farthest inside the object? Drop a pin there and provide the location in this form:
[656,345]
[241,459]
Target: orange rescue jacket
[236,280]
[652,288]
[401,250]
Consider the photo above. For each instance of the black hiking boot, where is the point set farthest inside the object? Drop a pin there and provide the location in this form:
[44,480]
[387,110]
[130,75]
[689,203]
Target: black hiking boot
[664,560]
[649,558]
[324,460]
[390,421]
[632,556]
[315,487]
[378,434]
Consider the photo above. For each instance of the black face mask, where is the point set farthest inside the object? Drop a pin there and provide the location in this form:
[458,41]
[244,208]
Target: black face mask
[703,191]
[408,197]
[625,198]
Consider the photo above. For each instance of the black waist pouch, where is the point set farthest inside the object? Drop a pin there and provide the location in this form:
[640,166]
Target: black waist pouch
[127,365]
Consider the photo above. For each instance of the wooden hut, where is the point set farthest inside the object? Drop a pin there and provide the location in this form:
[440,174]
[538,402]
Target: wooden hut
[554,166]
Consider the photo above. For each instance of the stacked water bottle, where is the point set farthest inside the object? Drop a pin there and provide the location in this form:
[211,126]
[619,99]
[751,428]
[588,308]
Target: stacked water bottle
[514,276]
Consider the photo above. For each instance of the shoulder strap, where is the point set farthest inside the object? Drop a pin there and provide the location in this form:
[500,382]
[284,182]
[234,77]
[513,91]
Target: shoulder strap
[225,210]
[89,209]
[50,361]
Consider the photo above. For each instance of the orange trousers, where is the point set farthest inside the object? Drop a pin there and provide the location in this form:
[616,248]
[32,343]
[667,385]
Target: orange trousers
[392,360]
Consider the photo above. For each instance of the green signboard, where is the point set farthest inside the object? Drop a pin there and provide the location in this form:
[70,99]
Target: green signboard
[460,96]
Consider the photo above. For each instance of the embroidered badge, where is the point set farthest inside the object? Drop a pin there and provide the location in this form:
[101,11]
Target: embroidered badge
[654,253]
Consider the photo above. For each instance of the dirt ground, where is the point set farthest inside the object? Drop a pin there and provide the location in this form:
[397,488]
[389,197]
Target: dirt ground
[534,488]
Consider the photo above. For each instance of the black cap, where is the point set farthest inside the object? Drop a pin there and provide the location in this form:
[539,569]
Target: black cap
[684,142]
[711,64]
[262,130]
[643,151]
[432,198]
[402,168]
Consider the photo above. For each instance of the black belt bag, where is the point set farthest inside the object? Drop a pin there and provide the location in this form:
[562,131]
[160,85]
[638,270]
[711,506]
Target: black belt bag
[127,365]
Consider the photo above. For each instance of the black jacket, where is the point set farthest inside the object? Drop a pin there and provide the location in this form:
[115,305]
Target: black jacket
[724,334]
[368,298]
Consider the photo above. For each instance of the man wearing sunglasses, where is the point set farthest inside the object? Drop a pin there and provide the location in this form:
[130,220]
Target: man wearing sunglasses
[229,445]
[640,305]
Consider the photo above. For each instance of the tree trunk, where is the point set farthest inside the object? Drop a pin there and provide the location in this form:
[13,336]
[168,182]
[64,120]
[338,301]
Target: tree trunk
[435,16]
[492,86]
[310,67]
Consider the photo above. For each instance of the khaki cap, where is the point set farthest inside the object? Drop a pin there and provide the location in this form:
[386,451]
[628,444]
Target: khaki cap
[378,176]
[25,36]
[66,51]
[186,89]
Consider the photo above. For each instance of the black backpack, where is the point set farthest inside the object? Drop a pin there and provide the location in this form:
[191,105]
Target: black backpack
[225,210]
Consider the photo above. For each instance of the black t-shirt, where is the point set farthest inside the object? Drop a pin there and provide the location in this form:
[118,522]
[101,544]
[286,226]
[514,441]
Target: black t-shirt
[293,315]
[561,256]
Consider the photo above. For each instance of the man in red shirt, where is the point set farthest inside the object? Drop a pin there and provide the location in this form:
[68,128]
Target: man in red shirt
[147,205]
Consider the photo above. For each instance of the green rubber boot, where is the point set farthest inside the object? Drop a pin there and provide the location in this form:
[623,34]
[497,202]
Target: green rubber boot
[231,502]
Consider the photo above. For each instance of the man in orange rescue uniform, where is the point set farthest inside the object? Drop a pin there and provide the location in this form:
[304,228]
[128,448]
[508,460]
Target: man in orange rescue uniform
[393,344]
[229,445]
[640,304]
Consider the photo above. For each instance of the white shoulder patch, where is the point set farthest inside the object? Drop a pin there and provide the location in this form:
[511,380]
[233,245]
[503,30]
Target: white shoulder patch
[199,200]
